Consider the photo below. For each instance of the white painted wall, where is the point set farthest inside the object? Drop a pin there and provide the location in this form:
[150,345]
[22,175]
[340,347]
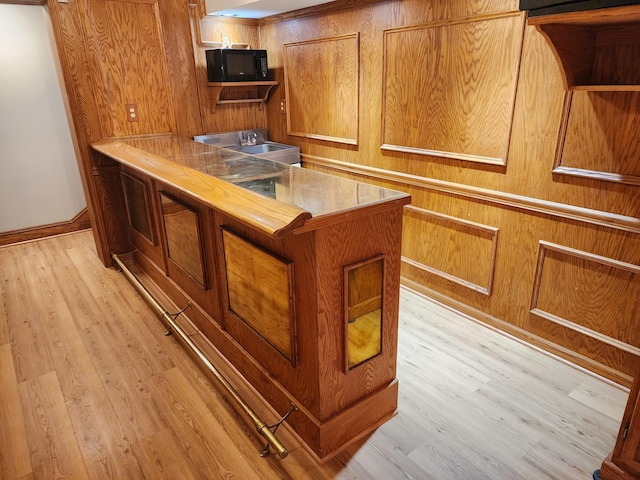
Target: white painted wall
[39,178]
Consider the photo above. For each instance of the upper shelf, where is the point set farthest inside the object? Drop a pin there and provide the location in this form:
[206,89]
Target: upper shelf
[597,49]
[240,92]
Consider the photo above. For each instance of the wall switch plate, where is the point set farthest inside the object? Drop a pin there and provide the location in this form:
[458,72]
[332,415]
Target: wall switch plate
[283,106]
[132,112]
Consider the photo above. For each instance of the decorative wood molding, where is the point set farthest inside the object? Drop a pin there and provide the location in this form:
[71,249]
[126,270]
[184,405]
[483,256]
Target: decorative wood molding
[503,199]
[585,150]
[437,153]
[521,335]
[446,76]
[260,292]
[598,175]
[79,222]
[318,108]
[487,263]
[538,308]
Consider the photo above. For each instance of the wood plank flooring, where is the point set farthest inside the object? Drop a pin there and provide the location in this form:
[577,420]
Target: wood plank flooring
[91,388]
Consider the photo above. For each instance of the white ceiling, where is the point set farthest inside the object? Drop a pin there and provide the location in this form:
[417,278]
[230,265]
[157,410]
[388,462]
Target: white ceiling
[256,8]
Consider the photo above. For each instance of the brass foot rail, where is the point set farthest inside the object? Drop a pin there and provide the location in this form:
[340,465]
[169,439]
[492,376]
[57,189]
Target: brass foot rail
[261,426]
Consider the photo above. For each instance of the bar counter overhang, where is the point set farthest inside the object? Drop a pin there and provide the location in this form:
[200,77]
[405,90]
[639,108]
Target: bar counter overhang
[291,275]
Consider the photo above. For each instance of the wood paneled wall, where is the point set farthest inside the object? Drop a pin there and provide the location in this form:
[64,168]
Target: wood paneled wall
[149,56]
[322,88]
[228,117]
[456,80]
[526,209]
[116,56]
[474,130]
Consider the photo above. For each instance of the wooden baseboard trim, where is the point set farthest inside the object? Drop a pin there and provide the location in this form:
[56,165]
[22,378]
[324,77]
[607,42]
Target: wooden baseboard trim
[562,354]
[80,222]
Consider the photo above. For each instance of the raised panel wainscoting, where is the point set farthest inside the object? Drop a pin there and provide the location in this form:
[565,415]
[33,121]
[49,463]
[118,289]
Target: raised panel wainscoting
[462,104]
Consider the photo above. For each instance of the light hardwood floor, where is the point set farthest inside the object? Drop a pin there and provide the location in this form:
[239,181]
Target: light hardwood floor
[91,388]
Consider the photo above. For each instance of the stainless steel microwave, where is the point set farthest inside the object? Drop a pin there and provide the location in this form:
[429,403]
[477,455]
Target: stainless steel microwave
[232,65]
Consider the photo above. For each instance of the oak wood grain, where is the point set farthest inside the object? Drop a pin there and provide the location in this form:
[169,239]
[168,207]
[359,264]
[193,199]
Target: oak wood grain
[15,458]
[526,201]
[275,218]
[591,210]
[457,81]
[318,106]
[474,261]
[129,66]
[600,122]
[260,292]
[55,449]
[460,383]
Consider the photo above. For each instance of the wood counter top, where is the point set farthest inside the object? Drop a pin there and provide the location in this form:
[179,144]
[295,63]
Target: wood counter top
[273,197]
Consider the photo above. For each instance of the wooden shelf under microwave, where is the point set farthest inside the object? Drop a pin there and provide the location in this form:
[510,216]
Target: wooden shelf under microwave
[596,49]
[240,92]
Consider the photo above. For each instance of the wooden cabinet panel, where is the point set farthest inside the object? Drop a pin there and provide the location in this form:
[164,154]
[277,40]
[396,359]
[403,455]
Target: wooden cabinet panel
[260,292]
[183,238]
[363,284]
[581,291]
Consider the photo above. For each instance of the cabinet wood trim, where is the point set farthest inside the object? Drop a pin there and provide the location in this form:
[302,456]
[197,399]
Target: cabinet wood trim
[318,109]
[568,212]
[535,309]
[480,229]
[568,137]
[452,62]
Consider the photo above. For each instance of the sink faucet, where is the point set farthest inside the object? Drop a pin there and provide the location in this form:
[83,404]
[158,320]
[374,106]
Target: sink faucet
[251,139]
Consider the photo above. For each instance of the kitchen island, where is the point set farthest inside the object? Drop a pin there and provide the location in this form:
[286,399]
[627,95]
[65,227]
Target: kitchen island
[292,275]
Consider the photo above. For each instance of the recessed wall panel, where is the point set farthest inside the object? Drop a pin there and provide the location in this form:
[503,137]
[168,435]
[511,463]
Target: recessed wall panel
[322,88]
[593,143]
[452,248]
[449,87]
[593,295]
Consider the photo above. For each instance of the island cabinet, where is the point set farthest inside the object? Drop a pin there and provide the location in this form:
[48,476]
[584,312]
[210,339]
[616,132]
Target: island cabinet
[292,275]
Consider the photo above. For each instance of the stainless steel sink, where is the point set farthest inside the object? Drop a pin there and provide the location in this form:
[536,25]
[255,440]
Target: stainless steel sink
[270,150]
[265,147]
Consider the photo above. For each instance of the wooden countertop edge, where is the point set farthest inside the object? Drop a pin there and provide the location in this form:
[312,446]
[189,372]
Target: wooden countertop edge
[320,221]
[270,216]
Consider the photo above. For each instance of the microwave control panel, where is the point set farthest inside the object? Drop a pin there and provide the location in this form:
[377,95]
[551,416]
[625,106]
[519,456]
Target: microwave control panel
[263,67]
